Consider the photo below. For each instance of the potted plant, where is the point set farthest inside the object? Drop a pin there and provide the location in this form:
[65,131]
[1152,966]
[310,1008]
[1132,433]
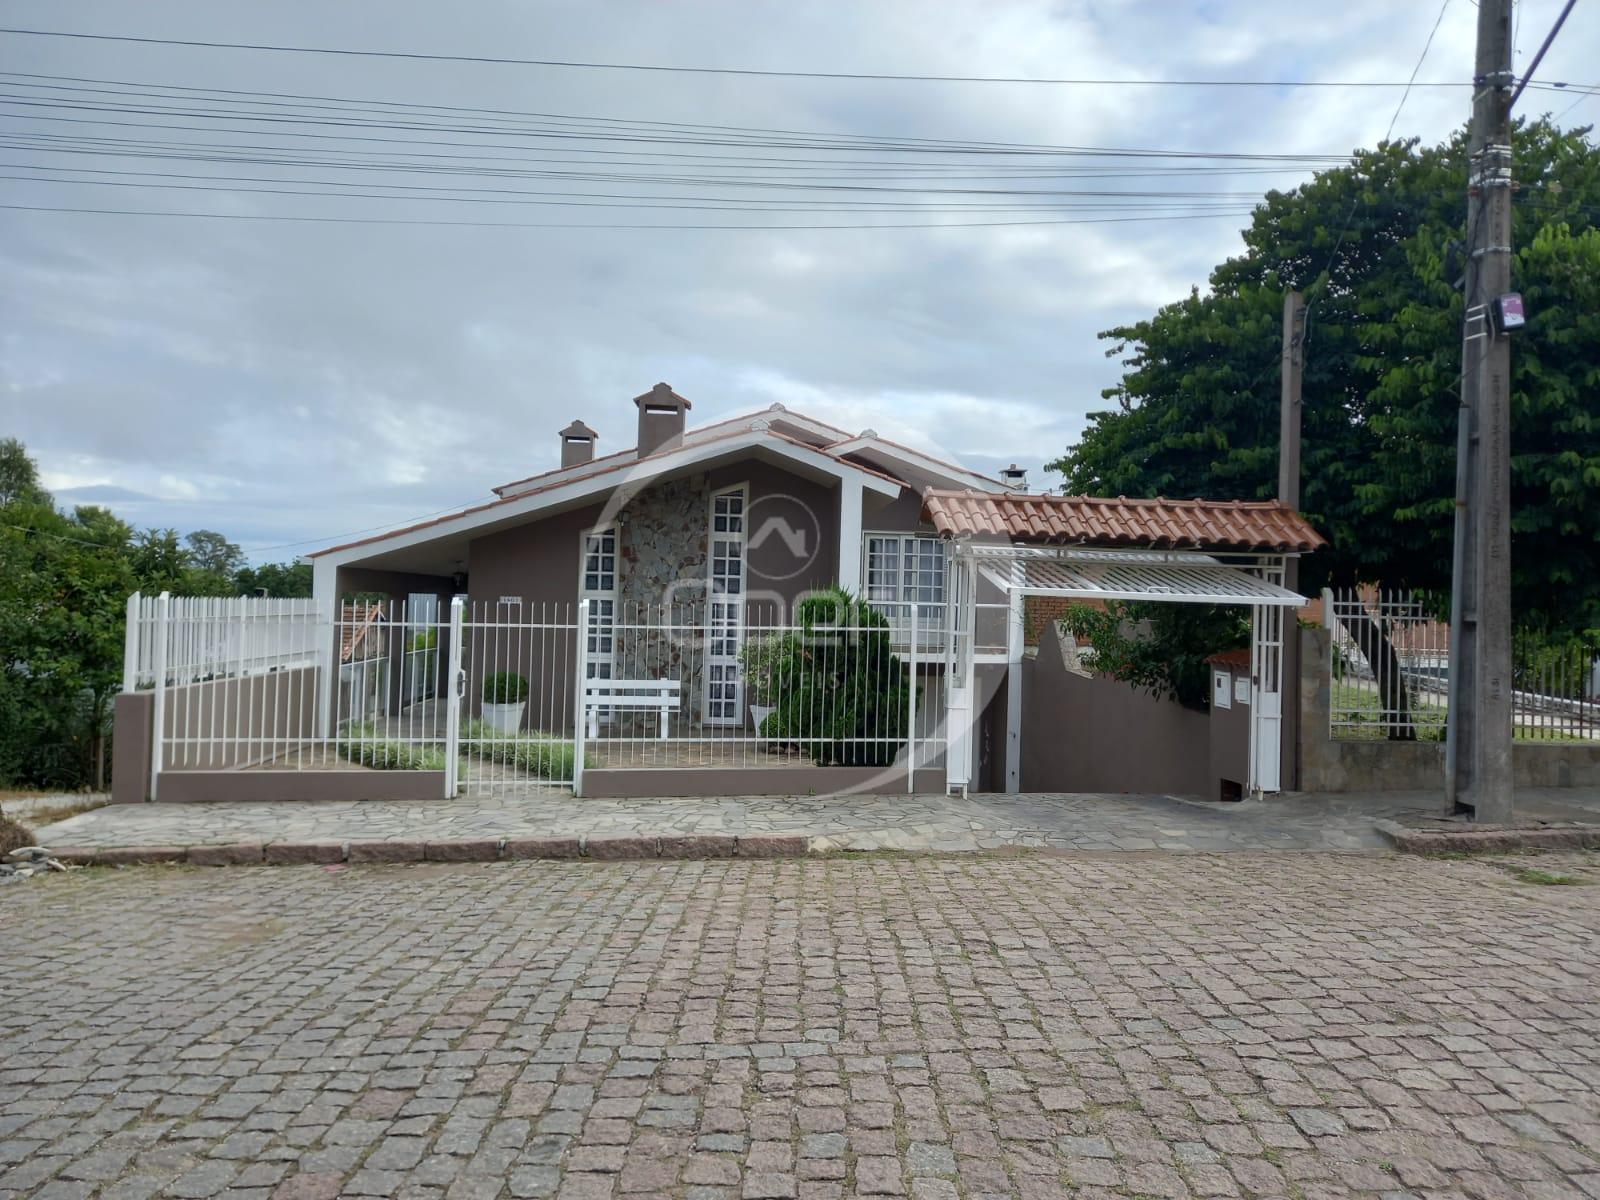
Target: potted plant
[764,659]
[505,694]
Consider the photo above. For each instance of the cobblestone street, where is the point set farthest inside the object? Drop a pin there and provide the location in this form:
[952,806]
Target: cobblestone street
[1022,1024]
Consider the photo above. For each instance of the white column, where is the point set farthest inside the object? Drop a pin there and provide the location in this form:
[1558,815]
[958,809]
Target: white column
[324,580]
[849,573]
[130,645]
[1014,692]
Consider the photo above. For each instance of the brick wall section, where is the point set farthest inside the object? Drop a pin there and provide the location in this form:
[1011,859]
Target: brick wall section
[1039,611]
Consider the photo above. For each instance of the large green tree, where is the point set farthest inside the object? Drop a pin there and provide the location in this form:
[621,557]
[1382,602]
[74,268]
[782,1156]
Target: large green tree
[64,583]
[1376,246]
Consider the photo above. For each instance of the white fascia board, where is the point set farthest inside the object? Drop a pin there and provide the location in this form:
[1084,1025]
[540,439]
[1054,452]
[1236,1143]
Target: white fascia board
[924,463]
[512,507]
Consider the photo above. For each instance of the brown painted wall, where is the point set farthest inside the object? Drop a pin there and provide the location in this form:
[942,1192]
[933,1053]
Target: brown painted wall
[279,705]
[1230,747]
[133,717]
[192,787]
[1098,735]
[758,781]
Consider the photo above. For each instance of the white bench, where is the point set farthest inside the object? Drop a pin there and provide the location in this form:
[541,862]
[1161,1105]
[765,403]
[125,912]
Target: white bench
[663,695]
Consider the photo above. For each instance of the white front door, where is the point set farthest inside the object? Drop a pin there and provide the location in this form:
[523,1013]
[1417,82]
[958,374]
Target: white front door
[598,585]
[725,586]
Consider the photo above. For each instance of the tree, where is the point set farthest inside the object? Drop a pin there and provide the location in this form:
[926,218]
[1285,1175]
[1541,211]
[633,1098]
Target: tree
[290,579]
[1197,411]
[19,475]
[1160,648]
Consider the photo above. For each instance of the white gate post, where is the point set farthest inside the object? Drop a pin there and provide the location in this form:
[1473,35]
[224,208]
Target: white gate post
[457,685]
[130,646]
[581,664]
[1014,648]
[159,715]
[911,719]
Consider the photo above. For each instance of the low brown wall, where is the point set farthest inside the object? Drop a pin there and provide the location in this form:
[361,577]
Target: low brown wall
[191,787]
[1092,734]
[1335,765]
[755,781]
[133,718]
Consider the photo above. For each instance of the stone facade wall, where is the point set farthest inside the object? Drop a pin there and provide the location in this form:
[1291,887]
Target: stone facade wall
[661,559]
[1330,765]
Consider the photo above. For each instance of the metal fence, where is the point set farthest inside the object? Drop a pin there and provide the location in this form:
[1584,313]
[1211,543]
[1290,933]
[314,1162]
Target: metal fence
[511,696]
[1391,673]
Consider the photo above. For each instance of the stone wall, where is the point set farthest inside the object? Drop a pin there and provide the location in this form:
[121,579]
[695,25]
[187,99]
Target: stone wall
[661,560]
[1331,765]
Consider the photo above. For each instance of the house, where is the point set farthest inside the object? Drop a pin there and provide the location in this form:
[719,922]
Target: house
[648,621]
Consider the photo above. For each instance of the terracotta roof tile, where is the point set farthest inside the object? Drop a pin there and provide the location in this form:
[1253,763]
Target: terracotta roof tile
[1158,524]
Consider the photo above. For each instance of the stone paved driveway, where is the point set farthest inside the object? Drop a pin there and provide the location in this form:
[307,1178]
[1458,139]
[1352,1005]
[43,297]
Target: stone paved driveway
[1028,1024]
[1073,822]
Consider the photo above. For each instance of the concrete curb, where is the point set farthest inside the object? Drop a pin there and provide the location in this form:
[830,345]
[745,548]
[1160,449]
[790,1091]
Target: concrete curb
[596,848]
[1410,840]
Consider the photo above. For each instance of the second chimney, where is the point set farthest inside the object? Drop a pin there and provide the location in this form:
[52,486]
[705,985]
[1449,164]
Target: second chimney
[577,444]
[661,418]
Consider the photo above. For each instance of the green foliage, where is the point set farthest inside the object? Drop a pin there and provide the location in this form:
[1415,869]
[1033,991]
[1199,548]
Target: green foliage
[543,757]
[763,658]
[841,694]
[505,687]
[64,584]
[366,745]
[1160,648]
[1197,409]
[286,580]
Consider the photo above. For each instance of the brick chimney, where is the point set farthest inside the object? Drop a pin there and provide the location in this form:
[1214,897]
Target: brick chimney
[1015,477]
[577,444]
[661,418]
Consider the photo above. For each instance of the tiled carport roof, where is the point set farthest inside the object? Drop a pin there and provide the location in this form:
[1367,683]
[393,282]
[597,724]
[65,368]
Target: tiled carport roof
[1159,524]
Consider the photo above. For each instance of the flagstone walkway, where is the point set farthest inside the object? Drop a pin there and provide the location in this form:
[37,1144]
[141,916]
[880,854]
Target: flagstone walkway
[910,823]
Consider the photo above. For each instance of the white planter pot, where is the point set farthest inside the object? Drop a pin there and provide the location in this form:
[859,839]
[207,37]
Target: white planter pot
[760,712]
[504,718]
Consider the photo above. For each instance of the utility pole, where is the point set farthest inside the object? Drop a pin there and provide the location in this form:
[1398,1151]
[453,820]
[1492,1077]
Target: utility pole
[1478,739]
[1294,361]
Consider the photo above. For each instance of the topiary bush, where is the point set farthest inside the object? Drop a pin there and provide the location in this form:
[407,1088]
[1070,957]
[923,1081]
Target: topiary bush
[842,695]
[505,687]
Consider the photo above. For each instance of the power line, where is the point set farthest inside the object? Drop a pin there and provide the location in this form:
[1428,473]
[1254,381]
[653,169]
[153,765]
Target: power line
[578,64]
[136,212]
[1543,46]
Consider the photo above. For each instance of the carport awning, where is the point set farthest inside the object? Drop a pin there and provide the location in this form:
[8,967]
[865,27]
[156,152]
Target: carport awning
[1130,575]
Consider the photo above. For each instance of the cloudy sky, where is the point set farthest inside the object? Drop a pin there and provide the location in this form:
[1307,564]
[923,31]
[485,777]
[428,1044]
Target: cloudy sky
[289,383]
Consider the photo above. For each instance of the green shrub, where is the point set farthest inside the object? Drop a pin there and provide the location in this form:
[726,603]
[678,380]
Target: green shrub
[841,694]
[765,658]
[505,687]
[362,744]
[543,757]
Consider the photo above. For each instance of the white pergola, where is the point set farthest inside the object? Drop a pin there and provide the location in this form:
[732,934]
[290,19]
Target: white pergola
[1015,572]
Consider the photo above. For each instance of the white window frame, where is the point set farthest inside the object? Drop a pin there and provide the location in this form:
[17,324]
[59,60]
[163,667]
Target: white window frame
[603,605]
[930,613]
[725,617]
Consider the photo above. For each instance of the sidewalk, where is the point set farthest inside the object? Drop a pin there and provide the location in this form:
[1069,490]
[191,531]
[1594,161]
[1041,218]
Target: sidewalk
[474,828]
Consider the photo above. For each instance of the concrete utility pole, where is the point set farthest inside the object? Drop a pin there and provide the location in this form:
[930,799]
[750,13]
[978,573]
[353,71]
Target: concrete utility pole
[1294,361]
[1478,748]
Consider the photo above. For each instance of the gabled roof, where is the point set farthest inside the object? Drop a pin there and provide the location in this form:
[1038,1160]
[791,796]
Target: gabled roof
[561,487]
[1162,524]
